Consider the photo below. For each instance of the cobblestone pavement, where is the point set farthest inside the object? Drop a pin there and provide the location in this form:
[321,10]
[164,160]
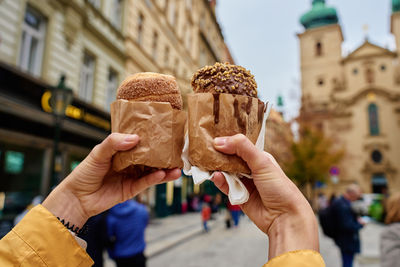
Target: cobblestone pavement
[242,246]
[369,256]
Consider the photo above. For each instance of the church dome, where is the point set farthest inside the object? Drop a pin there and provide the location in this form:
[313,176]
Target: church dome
[320,15]
[395,6]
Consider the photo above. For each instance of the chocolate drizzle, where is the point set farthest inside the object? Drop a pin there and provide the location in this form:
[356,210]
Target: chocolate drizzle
[249,104]
[236,114]
[261,110]
[216,108]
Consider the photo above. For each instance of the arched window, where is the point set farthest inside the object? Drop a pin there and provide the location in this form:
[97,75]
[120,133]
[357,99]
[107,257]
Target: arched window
[318,49]
[373,119]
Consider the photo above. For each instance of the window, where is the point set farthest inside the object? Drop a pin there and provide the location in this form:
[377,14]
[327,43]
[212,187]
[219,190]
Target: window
[373,119]
[383,67]
[112,85]
[318,49]
[140,28]
[116,13]
[202,57]
[149,4]
[87,76]
[154,45]
[95,3]
[176,67]
[355,71]
[172,14]
[32,44]
[166,56]
[189,40]
[376,156]
[320,82]
[189,5]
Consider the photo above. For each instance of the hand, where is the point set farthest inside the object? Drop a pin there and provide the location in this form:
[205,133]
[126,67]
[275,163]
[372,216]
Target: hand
[361,221]
[275,204]
[93,187]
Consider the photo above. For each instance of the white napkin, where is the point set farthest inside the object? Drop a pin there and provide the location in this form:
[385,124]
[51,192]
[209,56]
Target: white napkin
[238,193]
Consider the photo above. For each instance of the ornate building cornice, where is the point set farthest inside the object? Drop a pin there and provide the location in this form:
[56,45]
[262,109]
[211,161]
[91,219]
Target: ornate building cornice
[349,101]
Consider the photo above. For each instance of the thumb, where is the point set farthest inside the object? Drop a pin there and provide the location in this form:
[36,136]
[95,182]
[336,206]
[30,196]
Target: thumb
[102,153]
[244,148]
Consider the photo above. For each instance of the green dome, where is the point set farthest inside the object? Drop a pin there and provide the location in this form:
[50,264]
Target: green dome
[395,6]
[319,15]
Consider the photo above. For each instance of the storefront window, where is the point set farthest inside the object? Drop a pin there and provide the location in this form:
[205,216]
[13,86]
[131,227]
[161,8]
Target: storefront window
[21,170]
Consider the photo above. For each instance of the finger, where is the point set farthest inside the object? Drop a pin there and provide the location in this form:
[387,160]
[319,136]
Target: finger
[172,174]
[140,184]
[102,153]
[220,182]
[244,148]
[157,177]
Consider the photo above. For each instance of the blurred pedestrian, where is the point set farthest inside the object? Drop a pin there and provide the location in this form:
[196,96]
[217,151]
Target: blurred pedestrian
[390,236]
[347,224]
[97,238]
[216,202]
[205,215]
[126,224]
[322,201]
[235,213]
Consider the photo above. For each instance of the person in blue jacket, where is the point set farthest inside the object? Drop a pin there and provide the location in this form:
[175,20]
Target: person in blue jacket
[348,225]
[126,224]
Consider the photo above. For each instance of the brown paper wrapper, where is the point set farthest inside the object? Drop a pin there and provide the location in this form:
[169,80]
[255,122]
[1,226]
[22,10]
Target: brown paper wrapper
[161,131]
[214,115]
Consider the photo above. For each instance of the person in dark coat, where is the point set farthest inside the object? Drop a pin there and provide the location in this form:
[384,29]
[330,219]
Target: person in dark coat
[347,225]
[97,238]
[126,224]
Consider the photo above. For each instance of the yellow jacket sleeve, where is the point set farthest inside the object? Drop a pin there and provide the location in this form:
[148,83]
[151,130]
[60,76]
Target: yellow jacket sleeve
[39,239]
[298,258]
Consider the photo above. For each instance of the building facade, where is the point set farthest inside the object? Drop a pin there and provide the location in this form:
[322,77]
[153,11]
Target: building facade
[95,44]
[354,99]
[278,137]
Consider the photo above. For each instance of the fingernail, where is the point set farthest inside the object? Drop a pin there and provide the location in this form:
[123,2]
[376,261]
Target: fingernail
[220,141]
[131,138]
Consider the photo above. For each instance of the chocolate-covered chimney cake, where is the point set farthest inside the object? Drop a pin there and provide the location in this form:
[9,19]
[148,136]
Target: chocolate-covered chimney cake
[225,103]
[224,78]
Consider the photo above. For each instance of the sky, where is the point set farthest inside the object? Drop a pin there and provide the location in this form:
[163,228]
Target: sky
[261,35]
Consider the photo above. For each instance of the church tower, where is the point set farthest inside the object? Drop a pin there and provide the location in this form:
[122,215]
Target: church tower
[395,22]
[320,53]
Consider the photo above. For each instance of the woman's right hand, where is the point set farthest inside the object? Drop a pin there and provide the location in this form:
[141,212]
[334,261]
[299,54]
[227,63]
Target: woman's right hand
[275,204]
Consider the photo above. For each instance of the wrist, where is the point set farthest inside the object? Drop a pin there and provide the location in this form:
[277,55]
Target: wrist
[297,230]
[63,204]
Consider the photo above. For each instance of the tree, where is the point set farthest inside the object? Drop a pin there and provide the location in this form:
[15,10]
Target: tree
[312,157]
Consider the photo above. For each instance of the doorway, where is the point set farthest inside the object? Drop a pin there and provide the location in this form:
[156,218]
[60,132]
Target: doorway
[379,183]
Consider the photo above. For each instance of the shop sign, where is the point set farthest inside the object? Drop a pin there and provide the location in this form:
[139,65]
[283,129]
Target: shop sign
[14,162]
[77,113]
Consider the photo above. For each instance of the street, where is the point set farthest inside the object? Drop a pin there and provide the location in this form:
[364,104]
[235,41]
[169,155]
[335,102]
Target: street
[243,246]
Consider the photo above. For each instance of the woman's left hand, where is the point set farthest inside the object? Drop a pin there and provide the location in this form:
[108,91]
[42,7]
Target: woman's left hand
[93,187]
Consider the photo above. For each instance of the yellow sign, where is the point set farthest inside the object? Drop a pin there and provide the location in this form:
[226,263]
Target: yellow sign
[76,113]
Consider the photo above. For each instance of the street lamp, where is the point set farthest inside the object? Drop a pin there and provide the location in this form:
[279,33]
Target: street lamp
[61,97]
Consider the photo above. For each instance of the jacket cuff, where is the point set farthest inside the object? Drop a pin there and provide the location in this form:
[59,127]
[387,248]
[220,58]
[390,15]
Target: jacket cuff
[297,258]
[50,239]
